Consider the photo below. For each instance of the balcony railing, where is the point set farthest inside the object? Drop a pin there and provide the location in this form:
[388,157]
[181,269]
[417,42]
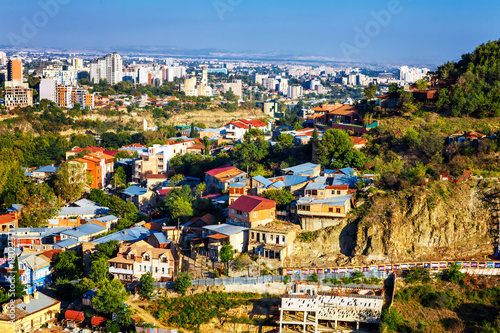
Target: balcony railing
[114,270]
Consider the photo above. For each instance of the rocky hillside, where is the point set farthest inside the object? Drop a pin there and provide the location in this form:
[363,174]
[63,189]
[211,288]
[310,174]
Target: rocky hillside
[439,221]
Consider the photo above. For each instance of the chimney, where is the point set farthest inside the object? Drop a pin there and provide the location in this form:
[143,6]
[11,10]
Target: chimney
[26,299]
[35,295]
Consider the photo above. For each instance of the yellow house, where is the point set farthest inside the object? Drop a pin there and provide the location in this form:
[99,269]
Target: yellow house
[29,313]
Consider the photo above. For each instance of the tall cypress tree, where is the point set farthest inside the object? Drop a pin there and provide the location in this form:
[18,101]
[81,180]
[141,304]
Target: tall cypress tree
[18,285]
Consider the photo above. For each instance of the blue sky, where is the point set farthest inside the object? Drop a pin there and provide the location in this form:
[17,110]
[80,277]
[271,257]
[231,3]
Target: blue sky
[416,31]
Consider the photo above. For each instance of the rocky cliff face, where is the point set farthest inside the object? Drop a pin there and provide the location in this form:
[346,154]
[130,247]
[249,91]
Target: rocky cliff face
[441,221]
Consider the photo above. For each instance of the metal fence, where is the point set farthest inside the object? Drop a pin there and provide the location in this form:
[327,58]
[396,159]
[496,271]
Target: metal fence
[268,279]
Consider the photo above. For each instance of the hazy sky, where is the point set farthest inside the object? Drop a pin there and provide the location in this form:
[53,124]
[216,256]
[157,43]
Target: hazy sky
[423,30]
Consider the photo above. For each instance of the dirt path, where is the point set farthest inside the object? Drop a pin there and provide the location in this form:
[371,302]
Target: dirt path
[145,315]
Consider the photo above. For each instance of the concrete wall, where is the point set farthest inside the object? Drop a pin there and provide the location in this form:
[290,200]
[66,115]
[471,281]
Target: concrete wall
[278,288]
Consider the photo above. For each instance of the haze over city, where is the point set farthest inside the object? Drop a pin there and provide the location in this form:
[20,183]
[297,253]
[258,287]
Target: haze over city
[426,32]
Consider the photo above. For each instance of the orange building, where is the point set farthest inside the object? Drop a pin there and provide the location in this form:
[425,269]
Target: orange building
[251,211]
[9,221]
[15,70]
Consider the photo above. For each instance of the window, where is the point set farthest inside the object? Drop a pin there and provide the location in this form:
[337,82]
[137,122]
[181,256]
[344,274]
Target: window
[272,237]
[320,193]
[338,192]
[246,215]
[164,259]
[232,211]
[333,191]
[239,212]
[253,235]
[338,210]
[330,210]
[163,269]
[272,214]
[255,214]
[283,239]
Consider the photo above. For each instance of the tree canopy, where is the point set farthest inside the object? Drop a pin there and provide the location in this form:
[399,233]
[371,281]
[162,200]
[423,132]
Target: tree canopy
[336,150]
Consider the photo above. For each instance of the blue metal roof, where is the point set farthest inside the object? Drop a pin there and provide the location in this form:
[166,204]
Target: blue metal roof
[226,229]
[47,169]
[296,180]
[161,238]
[345,180]
[135,190]
[263,180]
[278,184]
[35,305]
[106,218]
[306,169]
[84,230]
[67,242]
[130,235]
[348,171]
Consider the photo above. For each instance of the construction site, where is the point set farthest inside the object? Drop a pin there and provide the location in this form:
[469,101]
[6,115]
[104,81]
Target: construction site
[326,308]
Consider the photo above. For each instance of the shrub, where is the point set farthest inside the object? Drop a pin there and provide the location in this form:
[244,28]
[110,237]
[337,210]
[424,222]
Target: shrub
[313,277]
[392,321]
[418,274]
[454,275]
[286,280]
[307,237]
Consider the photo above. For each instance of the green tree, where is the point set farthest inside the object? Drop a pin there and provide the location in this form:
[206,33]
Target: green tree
[286,140]
[296,126]
[393,87]
[39,204]
[85,285]
[176,179]
[109,298]
[19,291]
[206,142]
[283,197]
[226,253]
[70,181]
[200,189]
[99,270]
[422,84]
[4,295]
[337,150]
[194,131]
[370,91]
[109,249]
[147,287]
[68,265]
[120,177]
[182,282]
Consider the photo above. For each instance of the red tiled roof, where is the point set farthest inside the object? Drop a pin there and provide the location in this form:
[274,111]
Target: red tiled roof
[98,321]
[253,122]
[157,176]
[249,203]
[7,218]
[208,219]
[222,169]
[111,152]
[137,145]
[51,253]
[74,315]
[337,187]
[164,191]
[218,236]
[358,141]
[238,124]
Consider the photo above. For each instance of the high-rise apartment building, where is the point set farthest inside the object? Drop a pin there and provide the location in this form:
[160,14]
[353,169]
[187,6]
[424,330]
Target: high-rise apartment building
[15,70]
[17,94]
[295,92]
[48,89]
[3,59]
[110,68]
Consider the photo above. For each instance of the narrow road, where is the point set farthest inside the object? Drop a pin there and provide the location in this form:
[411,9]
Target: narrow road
[144,314]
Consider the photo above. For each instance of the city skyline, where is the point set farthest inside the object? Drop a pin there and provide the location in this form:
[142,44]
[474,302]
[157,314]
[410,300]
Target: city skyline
[389,31]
